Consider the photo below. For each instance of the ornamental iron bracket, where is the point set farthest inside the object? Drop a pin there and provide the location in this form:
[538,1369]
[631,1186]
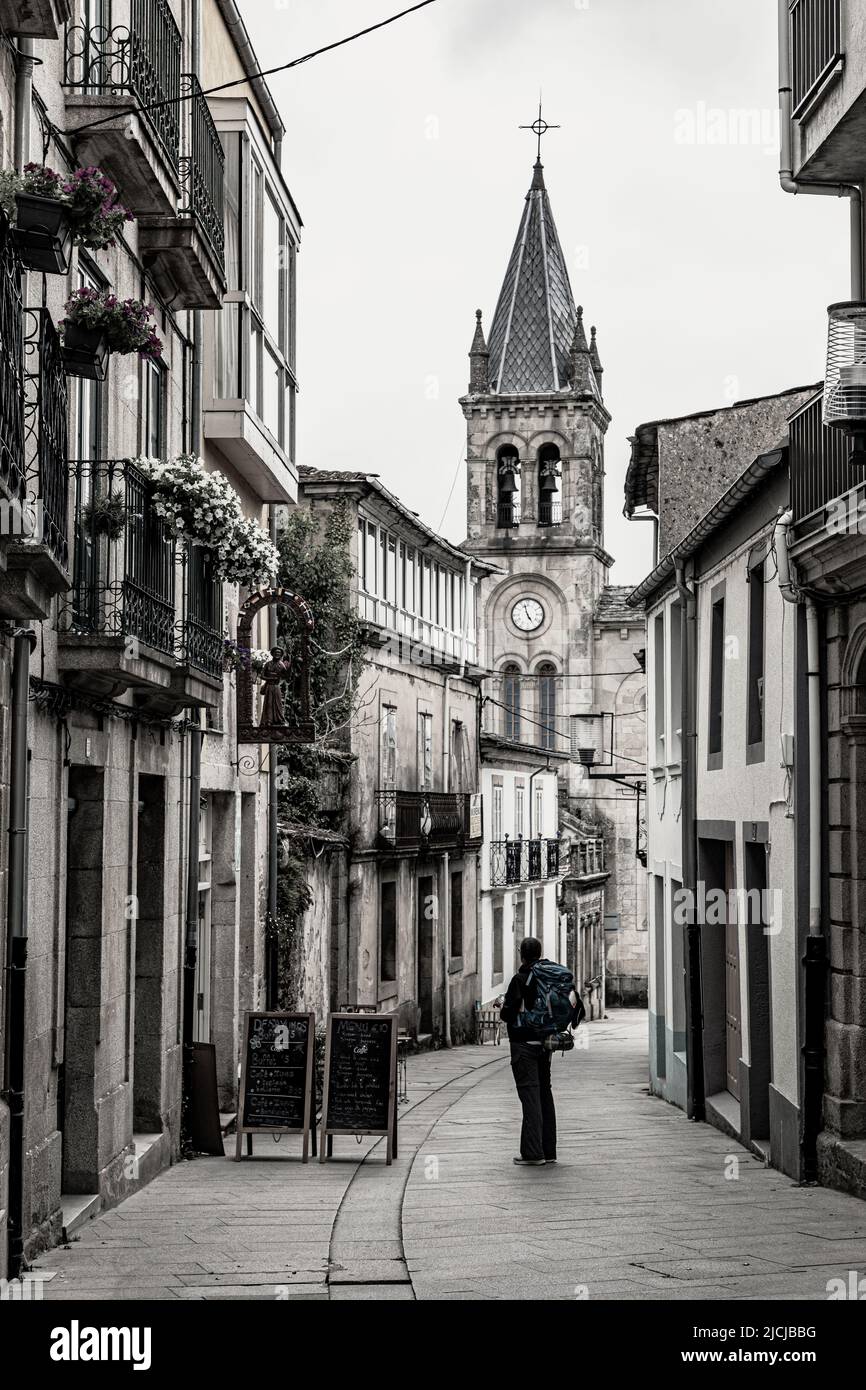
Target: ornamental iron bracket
[273,726]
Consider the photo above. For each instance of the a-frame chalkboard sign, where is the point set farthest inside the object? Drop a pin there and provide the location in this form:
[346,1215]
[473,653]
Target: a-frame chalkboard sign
[276,1091]
[360,1092]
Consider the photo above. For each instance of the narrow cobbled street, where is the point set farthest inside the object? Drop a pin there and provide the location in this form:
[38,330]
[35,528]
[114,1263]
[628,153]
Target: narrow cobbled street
[642,1205]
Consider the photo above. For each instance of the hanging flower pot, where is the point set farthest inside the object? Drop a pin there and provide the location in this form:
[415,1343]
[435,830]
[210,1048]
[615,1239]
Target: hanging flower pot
[98,217]
[43,233]
[105,516]
[85,352]
[98,323]
[201,506]
[51,213]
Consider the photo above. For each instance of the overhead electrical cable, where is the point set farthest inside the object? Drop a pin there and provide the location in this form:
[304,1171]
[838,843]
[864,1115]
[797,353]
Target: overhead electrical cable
[262,72]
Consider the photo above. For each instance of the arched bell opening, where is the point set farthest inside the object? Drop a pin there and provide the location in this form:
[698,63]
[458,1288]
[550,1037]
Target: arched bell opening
[507,486]
[549,486]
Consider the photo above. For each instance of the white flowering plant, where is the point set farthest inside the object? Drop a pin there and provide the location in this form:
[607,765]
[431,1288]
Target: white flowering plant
[201,506]
[247,556]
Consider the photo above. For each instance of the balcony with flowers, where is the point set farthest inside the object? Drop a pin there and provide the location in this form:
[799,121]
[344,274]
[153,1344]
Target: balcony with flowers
[154,542]
[34,553]
[132,111]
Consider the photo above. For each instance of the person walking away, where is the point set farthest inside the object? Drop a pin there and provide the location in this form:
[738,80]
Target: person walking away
[540,1004]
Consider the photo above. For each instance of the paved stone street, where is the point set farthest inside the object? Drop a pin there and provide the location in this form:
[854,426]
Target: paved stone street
[638,1207]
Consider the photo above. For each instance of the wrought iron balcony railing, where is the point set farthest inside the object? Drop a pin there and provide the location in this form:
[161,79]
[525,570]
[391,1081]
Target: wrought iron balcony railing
[12,481]
[202,169]
[200,627]
[816,47]
[46,429]
[123,578]
[550,513]
[142,58]
[416,819]
[513,862]
[820,464]
[508,514]
[587,858]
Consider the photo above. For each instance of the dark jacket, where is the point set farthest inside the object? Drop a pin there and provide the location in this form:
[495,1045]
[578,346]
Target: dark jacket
[521,990]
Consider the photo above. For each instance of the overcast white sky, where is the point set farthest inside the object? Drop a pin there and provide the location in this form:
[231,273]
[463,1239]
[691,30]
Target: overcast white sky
[707,283]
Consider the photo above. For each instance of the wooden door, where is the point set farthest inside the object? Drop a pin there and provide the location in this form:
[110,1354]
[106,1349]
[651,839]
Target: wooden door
[426,947]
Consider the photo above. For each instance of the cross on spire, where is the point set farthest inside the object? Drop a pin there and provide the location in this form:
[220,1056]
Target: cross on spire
[540,127]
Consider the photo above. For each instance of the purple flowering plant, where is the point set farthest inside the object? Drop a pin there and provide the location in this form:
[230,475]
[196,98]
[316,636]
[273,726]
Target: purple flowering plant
[90,196]
[126,323]
[93,203]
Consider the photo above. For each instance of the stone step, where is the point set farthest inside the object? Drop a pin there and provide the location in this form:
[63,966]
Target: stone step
[78,1208]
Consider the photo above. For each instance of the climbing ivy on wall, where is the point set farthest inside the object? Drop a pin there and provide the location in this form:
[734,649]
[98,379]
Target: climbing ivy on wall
[315,562]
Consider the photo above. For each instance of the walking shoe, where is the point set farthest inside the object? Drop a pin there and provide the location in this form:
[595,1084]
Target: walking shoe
[550,1160]
[531,1162]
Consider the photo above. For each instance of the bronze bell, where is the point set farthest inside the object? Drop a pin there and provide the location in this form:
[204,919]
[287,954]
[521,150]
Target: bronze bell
[548,482]
[507,479]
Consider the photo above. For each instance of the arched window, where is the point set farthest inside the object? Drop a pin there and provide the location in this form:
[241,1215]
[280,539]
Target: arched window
[507,486]
[546,705]
[549,476]
[858,689]
[511,701]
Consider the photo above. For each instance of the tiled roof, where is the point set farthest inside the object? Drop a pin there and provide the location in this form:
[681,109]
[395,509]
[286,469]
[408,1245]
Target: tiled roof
[373,486]
[533,327]
[333,475]
[613,606]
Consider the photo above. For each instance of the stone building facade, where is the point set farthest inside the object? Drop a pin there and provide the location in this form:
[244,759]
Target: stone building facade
[823,98]
[735,1061]
[124,862]
[563,675]
[394,920]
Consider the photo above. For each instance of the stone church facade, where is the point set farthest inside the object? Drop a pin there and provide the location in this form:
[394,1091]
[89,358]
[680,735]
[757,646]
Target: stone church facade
[558,641]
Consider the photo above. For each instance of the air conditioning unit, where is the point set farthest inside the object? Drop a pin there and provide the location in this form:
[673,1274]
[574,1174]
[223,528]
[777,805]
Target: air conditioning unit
[845,379]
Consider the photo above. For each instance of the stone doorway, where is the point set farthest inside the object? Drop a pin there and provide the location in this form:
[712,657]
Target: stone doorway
[426,951]
[77,1113]
[149,957]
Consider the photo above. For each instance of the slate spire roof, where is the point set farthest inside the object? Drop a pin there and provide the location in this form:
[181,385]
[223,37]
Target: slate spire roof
[533,329]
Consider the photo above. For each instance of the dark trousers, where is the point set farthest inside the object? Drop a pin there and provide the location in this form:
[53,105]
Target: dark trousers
[531,1069]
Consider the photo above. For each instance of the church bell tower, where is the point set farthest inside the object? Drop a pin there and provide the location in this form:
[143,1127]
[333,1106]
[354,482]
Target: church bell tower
[536,422]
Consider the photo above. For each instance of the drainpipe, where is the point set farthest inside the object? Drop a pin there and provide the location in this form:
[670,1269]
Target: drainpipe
[446,896]
[815,957]
[532,777]
[272,951]
[24,640]
[197,315]
[16,943]
[786,177]
[195,430]
[191,937]
[648,516]
[241,41]
[195,738]
[694,994]
[24,64]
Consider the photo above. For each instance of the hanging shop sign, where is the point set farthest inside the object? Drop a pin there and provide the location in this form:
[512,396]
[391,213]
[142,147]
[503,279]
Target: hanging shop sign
[284,713]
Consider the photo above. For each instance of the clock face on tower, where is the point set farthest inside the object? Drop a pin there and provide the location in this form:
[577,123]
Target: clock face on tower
[527,614]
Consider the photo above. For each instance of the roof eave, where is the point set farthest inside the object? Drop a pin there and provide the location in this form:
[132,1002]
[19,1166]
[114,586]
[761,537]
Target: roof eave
[728,503]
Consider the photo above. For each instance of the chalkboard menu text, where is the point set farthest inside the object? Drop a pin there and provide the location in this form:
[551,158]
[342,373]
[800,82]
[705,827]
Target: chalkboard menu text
[277,1076]
[360,1078]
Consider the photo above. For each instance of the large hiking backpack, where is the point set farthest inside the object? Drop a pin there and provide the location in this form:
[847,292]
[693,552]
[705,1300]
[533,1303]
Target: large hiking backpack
[557,1003]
